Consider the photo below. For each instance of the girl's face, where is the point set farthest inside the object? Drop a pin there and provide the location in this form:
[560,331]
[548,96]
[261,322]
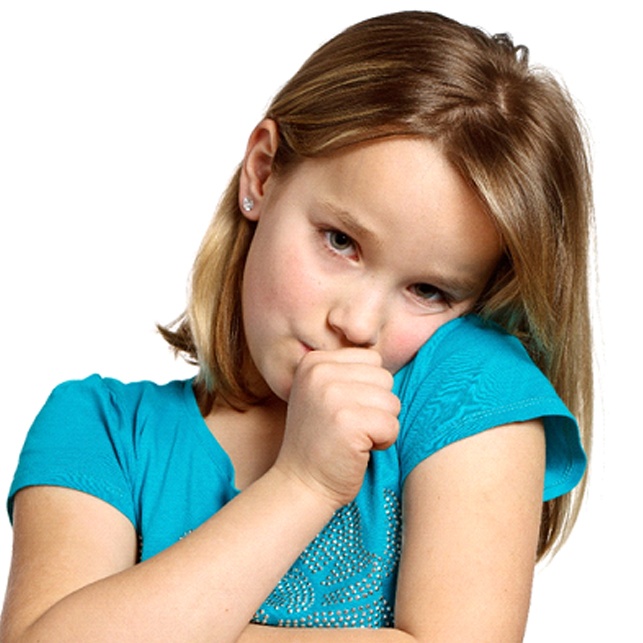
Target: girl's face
[376,246]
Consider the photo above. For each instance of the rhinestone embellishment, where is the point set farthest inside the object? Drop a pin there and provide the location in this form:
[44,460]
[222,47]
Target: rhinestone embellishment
[337,581]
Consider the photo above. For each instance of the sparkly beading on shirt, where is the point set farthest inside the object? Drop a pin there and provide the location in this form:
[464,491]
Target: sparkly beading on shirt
[337,581]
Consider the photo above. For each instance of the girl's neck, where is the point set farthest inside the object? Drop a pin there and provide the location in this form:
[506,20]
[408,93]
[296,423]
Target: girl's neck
[251,439]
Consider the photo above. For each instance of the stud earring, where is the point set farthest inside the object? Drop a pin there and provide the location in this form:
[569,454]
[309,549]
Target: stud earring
[247,204]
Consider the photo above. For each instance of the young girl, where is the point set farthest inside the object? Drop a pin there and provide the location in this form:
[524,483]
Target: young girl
[389,314]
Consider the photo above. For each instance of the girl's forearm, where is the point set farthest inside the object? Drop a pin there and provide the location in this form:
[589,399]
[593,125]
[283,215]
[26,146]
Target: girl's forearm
[207,586]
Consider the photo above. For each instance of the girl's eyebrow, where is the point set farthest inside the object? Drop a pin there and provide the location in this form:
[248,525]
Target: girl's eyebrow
[351,224]
[461,288]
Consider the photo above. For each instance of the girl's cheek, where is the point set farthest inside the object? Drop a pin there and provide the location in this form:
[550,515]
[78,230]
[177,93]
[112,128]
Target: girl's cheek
[403,347]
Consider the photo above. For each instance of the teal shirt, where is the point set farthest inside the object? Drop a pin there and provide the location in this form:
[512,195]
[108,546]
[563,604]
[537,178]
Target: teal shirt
[145,449]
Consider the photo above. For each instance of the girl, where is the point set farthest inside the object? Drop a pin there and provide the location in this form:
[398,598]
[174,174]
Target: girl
[368,443]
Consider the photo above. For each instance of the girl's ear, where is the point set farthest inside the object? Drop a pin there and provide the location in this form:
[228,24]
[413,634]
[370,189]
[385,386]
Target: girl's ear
[257,167]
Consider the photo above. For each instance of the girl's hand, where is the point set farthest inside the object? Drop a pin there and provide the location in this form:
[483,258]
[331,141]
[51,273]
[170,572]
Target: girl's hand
[340,408]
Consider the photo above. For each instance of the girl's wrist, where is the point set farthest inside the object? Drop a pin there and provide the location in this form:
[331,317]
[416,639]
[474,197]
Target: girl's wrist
[308,492]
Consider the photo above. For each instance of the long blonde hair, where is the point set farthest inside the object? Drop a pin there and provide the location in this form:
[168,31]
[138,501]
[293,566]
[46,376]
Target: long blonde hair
[513,133]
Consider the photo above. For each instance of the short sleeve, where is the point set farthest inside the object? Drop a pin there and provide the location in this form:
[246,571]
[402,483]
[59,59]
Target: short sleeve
[470,377]
[78,441]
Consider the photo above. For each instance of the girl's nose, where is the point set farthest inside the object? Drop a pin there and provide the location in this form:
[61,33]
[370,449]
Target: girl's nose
[358,319]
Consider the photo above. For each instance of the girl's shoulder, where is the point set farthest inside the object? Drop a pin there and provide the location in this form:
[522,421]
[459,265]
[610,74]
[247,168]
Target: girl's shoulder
[471,337]
[96,386]
[465,351]
[470,352]
[115,403]
[472,376]
[92,435]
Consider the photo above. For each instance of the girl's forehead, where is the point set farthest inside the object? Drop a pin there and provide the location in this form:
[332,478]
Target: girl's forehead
[403,178]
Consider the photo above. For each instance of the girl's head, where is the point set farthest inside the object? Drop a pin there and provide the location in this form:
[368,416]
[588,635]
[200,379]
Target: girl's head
[376,245]
[511,133]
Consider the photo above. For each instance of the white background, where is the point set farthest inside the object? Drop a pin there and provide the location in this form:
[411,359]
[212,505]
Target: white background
[120,123]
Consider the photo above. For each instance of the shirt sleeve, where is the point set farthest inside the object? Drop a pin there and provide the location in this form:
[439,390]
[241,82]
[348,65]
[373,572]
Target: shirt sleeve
[79,441]
[471,377]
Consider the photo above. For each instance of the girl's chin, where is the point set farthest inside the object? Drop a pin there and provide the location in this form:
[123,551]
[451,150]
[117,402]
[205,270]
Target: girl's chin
[272,389]
[280,391]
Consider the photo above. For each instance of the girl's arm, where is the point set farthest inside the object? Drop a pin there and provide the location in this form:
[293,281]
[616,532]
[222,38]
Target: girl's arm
[471,524]
[73,575]
[472,514]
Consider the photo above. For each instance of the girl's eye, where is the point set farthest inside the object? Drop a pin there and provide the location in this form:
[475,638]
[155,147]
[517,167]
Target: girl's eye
[340,242]
[431,296]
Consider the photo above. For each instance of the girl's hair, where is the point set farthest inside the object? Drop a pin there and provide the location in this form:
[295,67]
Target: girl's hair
[511,130]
